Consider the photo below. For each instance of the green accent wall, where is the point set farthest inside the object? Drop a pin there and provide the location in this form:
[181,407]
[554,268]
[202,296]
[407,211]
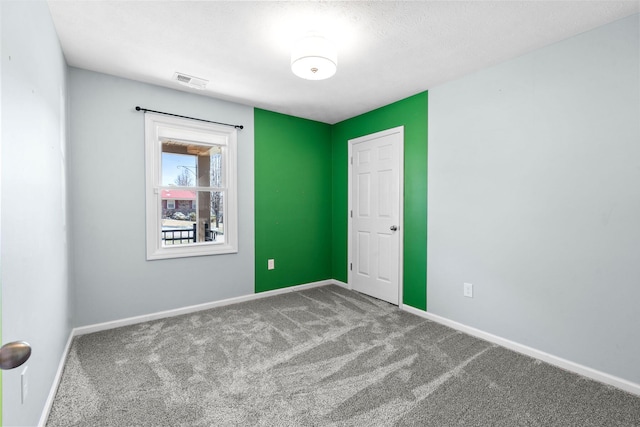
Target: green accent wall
[412,114]
[301,190]
[293,200]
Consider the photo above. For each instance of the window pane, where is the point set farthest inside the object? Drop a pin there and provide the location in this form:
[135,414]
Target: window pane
[194,217]
[210,216]
[210,167]
[178,217]
[178,169]
[216,166]
[189,164]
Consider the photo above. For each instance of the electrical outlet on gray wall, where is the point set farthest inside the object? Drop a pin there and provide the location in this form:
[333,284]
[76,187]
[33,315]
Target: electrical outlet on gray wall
[468,290]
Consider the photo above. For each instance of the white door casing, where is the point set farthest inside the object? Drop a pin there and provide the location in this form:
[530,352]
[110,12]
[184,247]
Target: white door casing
[375,209]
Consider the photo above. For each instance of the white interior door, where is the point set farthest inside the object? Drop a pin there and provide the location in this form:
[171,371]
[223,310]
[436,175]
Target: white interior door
[375,229]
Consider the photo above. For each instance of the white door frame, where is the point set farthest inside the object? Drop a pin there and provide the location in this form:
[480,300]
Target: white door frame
[352,142]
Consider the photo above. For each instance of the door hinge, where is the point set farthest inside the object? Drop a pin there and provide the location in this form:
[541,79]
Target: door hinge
[352,160]
[351,266]
[351,214]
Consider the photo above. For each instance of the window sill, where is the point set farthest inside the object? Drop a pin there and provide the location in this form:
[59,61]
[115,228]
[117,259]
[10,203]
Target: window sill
[192,250]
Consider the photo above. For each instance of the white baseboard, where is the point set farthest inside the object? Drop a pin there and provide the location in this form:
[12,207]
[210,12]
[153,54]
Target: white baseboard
[82,330]
[565,364]
[48,404]
[520,348]
[341,284]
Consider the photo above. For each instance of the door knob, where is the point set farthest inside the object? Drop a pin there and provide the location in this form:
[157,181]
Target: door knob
[14,354]
[393,228]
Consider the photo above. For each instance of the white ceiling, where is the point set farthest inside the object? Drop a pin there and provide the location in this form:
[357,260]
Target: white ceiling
[386,50]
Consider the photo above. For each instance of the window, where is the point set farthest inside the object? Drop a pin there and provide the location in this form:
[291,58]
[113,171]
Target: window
[191,193]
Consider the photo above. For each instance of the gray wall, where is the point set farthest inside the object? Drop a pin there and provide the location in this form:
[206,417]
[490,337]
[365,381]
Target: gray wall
[534,198]
[35,280]
[107,203]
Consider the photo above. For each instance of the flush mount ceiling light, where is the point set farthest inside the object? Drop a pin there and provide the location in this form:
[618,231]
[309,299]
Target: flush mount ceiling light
[314,58]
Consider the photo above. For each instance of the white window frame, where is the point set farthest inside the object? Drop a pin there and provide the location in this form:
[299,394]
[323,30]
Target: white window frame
[158,127]
[173,203]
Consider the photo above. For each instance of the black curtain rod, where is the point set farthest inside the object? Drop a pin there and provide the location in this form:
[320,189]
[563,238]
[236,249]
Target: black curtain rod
[187,117]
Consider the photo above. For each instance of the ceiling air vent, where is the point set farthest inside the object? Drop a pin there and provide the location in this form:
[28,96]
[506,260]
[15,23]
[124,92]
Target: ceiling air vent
[190,81]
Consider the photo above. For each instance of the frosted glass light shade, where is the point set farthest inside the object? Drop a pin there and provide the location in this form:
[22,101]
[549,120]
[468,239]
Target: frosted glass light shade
[314,58]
